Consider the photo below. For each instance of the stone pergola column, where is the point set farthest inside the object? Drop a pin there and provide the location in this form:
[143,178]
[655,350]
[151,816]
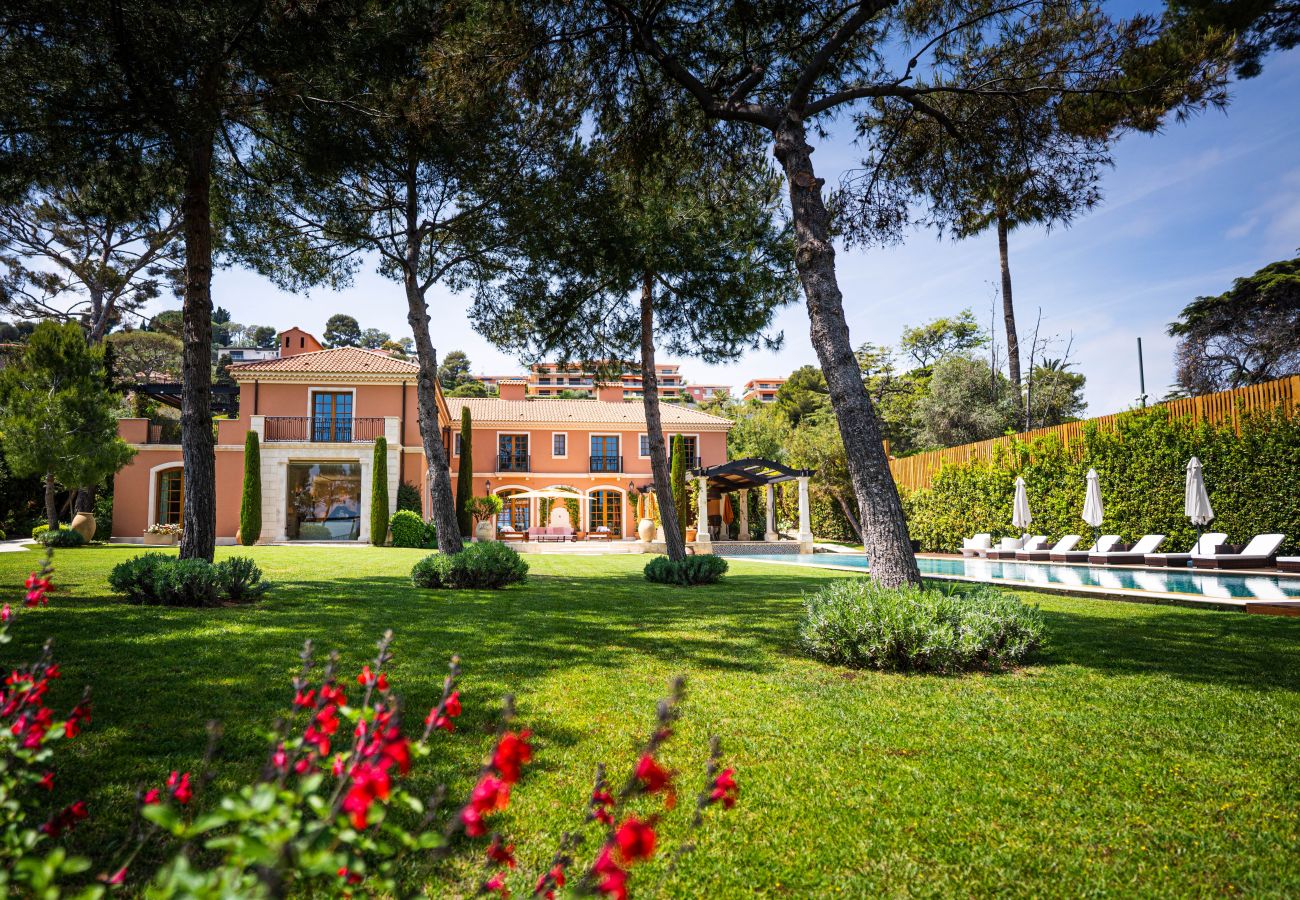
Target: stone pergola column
[702,541]
[742,518]
[770,535]
[805,521]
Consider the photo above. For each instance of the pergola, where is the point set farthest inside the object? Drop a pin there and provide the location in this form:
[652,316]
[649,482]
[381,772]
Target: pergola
[743,474]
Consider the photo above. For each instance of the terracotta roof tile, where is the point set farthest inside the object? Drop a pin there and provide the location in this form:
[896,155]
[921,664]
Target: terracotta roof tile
[595,412]
[340,360]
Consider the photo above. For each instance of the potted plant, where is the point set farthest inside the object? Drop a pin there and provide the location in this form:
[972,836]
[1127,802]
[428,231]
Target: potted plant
[645,527]
[484,511]
[162,535]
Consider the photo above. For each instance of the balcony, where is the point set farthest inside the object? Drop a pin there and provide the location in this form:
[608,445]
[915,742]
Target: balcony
[322,430]
[606,464]
[513,462]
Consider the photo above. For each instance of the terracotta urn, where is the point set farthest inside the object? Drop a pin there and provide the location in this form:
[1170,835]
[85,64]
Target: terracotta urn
[83,523]
[485,531]
[691,534]
[646,530]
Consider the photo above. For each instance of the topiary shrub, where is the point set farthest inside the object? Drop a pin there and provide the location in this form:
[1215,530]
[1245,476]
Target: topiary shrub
[250,506]
[862,625]
[162,579]
[703,569]
[465,474]
[489,565]
[408,497]
[240,579]
[379,495]
[60,537]
[407,528]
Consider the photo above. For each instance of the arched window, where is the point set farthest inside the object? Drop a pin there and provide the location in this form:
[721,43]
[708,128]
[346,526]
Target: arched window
[171,496]
[606,511]
[514,513]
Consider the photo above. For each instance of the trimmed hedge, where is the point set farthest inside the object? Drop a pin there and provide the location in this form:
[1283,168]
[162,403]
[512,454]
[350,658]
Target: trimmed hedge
[689,572]
[862,625]
[409,530]
[1142,463]
[164,580]
[379,494]
[59,537]
[250,507]
[489,564]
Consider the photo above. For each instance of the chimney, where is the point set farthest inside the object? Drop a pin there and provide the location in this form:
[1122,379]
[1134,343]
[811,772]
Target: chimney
[295,341]
[512,388]
[609,391]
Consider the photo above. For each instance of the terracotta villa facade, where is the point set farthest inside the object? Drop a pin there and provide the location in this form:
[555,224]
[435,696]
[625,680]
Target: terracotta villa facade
[317,413]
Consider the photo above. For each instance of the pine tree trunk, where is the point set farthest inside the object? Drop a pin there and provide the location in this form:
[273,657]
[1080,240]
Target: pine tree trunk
[198,453]
[426,382]
[51,508]
[1008,307]
[654,424]
[885,534]
[848,514]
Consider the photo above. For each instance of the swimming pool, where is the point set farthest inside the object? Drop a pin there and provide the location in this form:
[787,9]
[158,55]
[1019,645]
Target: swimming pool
[1179,583]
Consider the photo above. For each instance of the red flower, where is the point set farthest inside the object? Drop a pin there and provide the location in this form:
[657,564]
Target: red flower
[303,699]
[6,614]
[396,751]
[80,714]
[725,789]
[450,710]
[497,884]
[180,787]
[37,588]
[501,854]
[369,783]
[489,795]
[613,877]
[65,819]
[117,877]
[151,796]
[348,876]
[601,800]
[367,678]
[512,752]
[47,781]
[655,778]
[547,883]
[337,767]
[280,759]
[635,840]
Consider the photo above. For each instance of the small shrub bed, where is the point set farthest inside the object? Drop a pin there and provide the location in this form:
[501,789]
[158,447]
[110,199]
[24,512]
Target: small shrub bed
[688,572]
[409,530]
[60,537]
[163,580]
[487,565]
[862,625]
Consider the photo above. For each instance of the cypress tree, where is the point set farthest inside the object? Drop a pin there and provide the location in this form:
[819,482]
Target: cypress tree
[679,480]
[465,475]
[250,508]
[379,495]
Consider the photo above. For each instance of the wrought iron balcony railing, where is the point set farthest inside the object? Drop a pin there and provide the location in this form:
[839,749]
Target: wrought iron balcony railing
[513,462]
[606,464]
[324,429]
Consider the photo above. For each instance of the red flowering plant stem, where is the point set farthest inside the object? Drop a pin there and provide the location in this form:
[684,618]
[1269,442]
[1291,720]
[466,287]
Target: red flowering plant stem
[32,816]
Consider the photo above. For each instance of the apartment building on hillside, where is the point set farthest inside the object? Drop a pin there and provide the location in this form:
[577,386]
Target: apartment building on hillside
[762,389]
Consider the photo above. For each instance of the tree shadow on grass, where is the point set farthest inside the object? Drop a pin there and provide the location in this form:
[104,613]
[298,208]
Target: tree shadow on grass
[1228,648]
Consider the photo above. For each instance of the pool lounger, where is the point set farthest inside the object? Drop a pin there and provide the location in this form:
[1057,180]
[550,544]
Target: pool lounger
[1011,546]
[1134,557]
[1104,543]
[1202,547]
[977,545]
[1289,563]
[1258,554]
[1043,554]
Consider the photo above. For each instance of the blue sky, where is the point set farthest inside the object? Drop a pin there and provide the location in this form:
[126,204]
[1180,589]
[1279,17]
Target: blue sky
[1184,213]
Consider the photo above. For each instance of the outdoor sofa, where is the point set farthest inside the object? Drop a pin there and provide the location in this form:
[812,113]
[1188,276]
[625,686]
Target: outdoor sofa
[550,533]
[1289,563]
[1258,554]
[977,546]
[1205,545]
[1103,543]
[1043,554]
[1132,556]
[1011,546]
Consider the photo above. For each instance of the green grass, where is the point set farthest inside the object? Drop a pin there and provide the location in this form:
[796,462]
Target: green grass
[1151,750]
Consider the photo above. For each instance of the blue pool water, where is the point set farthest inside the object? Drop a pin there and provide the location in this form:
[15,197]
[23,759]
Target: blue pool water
[1202,585]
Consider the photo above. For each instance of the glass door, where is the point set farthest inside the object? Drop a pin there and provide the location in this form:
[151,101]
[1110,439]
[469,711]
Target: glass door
[604,453]
[331,416]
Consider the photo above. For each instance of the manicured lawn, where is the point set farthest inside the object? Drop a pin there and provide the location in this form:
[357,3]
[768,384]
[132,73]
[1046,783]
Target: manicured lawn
[1151,751]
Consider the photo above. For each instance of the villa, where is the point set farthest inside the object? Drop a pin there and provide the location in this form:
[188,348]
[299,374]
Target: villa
[317,413]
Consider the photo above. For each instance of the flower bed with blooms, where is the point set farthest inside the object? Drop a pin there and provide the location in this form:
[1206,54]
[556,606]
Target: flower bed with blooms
[170,529]
[330,812]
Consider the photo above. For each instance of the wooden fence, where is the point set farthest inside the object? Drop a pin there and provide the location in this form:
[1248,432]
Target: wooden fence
[912,472]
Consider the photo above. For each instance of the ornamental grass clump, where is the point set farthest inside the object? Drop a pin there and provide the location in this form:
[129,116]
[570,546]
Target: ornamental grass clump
[688,572]
[489,564]
[862,625]
[333,810]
